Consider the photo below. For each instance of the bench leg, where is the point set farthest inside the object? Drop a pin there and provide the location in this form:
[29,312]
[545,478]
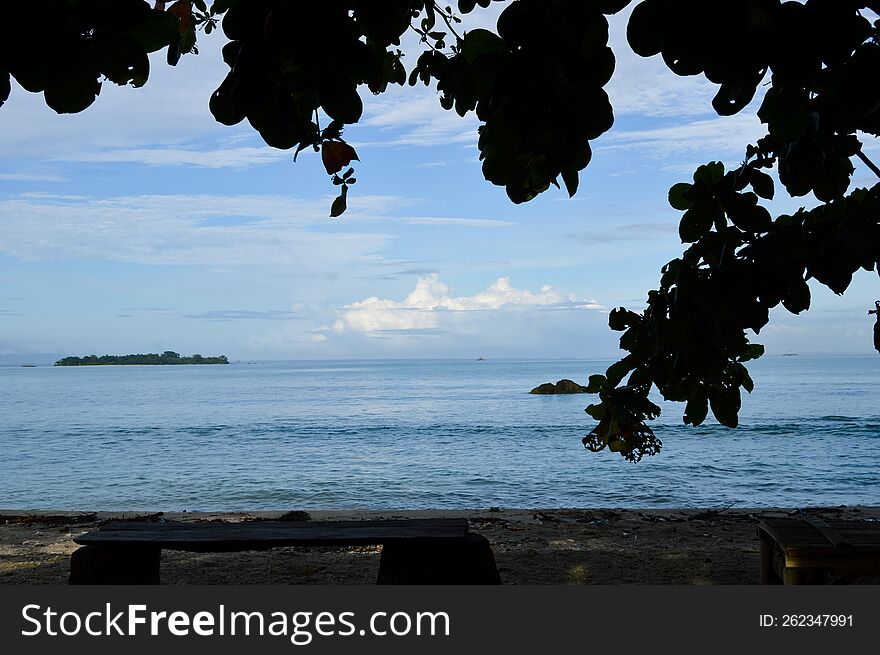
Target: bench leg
[768,574]
[102,565]
[442,561]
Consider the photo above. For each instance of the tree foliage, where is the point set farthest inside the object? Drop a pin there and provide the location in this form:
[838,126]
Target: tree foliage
[536,84]
[691,342]
[168,358]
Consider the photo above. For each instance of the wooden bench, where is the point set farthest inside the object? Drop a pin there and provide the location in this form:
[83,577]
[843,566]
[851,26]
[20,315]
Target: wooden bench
[415,551]
[809,550]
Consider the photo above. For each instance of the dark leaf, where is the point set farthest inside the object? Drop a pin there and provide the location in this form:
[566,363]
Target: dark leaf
[223,106]
[753,351]
[341,102]
[644,28]
[174,53]
[72,94]
[620,319]
[797,296]
[597,383]
[725,405]
[746,214]
[695,224]
[697,407]
[670,273]
[677,196]
[332,131]
[597,411]
[182,10]
[710,174]
[570,178]
[617,371]
[762,184]
[735,93]
[336,155]
[339,206]
[479,42]
[747,382]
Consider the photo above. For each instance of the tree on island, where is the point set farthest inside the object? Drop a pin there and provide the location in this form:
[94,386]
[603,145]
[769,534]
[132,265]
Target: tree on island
[536,85]
[169,357]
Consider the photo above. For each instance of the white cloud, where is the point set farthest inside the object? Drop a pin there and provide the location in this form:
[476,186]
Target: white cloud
[412,116]
[261,231]
[717,136]
[432,302]
[442,220]
[240,157]
[279,232]
[30,177]
[630,232]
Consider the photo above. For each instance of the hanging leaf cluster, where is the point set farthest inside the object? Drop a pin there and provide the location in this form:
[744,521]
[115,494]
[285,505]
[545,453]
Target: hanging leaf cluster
[536,87]
[691,342]
[289,60]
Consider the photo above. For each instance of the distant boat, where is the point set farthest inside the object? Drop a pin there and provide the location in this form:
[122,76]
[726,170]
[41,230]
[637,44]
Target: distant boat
[29,366]
[481,359]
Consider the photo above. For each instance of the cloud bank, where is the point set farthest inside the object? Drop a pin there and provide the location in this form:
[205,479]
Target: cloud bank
[431,305]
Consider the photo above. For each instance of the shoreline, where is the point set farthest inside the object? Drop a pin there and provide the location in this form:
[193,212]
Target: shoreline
[689,546]
[366,512]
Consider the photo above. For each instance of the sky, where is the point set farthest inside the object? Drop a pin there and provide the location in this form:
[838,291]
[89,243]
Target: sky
[142,225]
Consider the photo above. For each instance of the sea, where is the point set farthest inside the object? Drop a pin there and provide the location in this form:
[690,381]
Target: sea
[413,434]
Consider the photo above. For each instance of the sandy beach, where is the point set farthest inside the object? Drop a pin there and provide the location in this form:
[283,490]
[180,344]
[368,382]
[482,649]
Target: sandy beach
[558,546]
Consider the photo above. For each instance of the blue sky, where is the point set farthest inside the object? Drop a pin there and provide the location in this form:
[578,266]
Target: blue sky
[142,225]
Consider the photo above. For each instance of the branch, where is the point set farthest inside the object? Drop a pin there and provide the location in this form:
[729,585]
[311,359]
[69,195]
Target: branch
[446,19]
[867,162]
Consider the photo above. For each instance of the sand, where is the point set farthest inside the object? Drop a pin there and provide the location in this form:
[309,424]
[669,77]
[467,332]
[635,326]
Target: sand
[558,546]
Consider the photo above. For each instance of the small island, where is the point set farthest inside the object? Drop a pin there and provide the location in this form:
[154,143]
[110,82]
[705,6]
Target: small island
[169,357]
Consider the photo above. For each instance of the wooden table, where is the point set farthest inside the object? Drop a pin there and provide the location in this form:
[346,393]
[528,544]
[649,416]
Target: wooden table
[415,551]
[809,550]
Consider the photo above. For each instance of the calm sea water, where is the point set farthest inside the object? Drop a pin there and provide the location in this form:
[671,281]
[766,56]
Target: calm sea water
[418,434]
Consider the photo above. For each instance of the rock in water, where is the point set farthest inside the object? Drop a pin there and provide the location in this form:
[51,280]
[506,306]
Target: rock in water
[563,386]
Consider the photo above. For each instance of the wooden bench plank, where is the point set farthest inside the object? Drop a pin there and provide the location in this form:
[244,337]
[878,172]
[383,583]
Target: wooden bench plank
[797,535]
[831,533]
[810,550]
[261,535]
[415,551]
